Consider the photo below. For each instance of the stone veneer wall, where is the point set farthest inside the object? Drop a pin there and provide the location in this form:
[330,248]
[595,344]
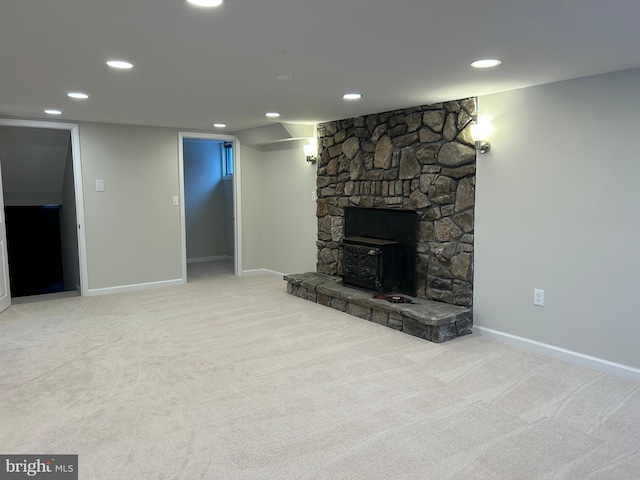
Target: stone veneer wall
[419,158]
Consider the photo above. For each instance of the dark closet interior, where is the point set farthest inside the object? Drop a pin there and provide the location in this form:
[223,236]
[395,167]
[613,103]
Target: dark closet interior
[34,249]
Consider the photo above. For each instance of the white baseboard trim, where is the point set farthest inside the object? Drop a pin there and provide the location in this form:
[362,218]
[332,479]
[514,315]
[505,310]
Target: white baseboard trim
[259,271]
[570,356]
[92,292]
[209,259]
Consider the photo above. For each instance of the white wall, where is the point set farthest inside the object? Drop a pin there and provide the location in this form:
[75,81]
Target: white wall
[278,216]
[557,208]
[133,231]
[253,208]
[290,225]
[204,199]
[229,234]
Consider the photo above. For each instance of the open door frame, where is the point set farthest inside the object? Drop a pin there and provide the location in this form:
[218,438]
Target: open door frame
[5,284]
[237,221]
[77,180]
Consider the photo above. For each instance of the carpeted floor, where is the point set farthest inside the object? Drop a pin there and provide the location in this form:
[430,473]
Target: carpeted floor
[232,378]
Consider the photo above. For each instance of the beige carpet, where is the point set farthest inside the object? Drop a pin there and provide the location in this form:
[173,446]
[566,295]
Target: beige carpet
[232,378]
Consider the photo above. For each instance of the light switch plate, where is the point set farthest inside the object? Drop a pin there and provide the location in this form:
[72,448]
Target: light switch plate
[100,185]
[538,297]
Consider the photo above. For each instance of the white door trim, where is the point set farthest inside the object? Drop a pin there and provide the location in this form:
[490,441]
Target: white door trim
[237,221]
[77,180]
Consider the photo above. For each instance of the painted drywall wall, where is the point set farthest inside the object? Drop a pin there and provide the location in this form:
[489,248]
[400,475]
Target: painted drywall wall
[227,186]
[204,199]
[557,209]
[33,164]
[290,225]
[253,208]
[69,228]
[133,231]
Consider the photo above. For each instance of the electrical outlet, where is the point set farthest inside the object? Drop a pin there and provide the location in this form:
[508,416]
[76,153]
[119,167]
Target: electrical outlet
[538,297]
[314,196]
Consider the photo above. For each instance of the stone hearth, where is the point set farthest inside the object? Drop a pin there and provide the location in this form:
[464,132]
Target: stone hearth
[433,321]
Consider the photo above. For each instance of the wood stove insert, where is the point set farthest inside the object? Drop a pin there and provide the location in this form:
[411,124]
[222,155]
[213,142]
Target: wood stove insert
[392,231]
[371,263]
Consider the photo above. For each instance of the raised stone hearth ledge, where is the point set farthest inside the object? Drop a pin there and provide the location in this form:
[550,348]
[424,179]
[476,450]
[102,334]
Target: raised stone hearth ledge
[431,320]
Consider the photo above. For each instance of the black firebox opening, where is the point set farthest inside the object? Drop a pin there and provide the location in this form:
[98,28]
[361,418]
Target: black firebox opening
[389,224]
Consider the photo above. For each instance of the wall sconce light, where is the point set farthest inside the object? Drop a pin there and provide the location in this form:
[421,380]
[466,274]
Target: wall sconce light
[480,133]
[310,151]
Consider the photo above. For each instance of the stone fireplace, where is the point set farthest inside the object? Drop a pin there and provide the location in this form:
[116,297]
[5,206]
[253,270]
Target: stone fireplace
[419,160]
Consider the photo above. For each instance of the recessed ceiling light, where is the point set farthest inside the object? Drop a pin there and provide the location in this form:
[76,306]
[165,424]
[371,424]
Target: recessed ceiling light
[272,114]
[121,64]
[352,96]
[205,3]
[53,111]
[219,125]
[79,95]
[486,63]
[282,76]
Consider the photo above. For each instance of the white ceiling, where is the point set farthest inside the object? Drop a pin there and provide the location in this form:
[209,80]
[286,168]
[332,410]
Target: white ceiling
[194,67]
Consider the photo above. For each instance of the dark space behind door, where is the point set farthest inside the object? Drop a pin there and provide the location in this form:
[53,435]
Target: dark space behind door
[34,249]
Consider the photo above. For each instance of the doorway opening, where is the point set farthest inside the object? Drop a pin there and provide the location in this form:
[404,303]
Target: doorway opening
[42,210]
[210,182]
